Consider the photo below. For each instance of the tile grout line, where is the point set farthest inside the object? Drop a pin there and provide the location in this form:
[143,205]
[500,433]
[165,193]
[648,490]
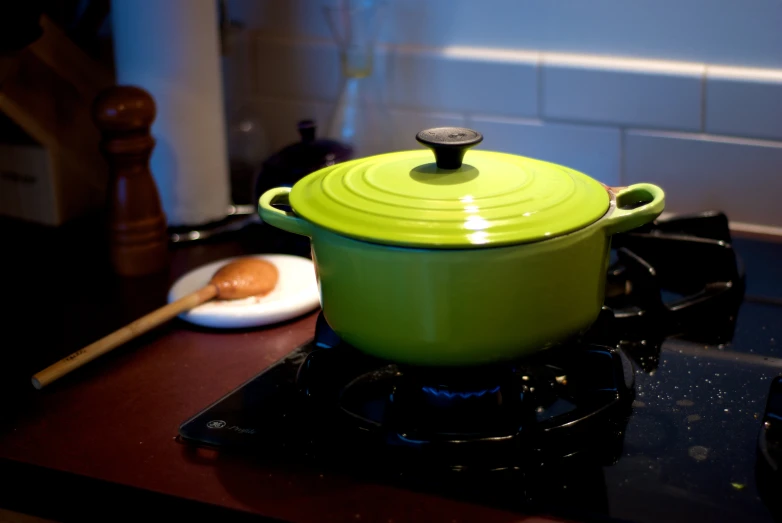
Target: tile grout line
[539,79]
[608,124]
[704,77]
[711,137]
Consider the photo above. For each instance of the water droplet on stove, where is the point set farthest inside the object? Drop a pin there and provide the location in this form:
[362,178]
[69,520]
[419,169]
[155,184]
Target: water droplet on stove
[698,453]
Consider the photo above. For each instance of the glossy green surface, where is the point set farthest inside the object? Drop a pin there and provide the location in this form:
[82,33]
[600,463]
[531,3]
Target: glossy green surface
[493,199]
[460,307]
[464,306]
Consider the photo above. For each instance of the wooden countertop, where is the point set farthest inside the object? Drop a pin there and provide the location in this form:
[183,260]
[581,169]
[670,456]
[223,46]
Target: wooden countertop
[103,438]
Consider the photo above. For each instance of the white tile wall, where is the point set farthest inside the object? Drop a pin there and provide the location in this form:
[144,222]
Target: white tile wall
[744,102]
[637,93]
[281,116]
[736,32]
[567,109]
[589,149]
[743,178]
[451,80]
[290,69]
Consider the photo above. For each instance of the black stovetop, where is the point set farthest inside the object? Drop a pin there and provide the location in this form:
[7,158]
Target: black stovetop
[658,414]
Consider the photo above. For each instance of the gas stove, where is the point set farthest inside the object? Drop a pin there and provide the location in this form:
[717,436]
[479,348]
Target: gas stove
[662,411]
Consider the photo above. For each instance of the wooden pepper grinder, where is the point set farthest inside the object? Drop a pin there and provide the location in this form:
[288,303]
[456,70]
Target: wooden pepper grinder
[138,242]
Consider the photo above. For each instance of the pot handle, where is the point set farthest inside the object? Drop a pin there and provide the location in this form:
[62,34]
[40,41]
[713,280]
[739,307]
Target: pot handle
[285,220]
[636,205]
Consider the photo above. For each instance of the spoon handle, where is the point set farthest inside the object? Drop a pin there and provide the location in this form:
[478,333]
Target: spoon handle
[118,337]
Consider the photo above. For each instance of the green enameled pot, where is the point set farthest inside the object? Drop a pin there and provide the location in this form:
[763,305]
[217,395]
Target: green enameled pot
[474,258]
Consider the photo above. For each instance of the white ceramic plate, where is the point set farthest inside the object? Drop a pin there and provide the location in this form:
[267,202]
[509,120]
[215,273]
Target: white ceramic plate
[296,293]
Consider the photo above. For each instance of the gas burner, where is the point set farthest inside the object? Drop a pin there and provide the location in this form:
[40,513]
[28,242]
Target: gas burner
[411,405]
[456,394]
[564,402]
[657,287]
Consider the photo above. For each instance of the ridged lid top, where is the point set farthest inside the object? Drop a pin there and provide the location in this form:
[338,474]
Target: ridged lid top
[464,199]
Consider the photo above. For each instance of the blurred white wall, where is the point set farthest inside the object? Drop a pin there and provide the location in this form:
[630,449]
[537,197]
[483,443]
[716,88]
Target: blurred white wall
[733,32]
[684,93]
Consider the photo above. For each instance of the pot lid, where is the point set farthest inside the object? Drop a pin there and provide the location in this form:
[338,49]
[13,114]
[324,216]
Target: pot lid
[454,199]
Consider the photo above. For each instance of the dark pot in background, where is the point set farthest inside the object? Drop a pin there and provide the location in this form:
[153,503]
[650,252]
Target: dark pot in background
[293,162]
[288,166]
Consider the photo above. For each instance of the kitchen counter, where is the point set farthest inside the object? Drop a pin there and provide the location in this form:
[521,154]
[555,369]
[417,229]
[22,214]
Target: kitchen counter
[101,442]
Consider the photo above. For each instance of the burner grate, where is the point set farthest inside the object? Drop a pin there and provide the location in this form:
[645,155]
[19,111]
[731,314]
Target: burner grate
[670,275]
[769,453]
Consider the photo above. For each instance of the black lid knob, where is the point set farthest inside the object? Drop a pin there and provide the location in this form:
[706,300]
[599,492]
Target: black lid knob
[307,130]
[449,144]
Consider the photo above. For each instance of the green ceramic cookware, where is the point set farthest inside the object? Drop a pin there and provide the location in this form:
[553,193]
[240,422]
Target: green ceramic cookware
[461,258]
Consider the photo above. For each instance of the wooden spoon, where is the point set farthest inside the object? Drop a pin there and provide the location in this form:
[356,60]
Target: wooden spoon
[241,278]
